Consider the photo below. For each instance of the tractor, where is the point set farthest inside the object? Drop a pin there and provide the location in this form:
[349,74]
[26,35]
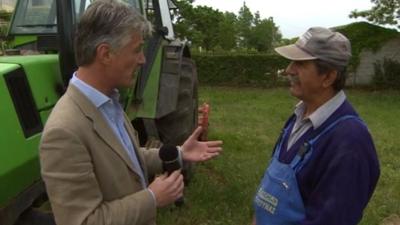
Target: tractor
[35,71]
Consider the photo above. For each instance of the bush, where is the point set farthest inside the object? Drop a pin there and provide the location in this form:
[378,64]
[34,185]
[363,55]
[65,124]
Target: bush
[240,70]
[5,15]
[387,74]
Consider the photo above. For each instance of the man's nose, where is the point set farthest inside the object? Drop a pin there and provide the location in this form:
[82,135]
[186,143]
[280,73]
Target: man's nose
[289,69]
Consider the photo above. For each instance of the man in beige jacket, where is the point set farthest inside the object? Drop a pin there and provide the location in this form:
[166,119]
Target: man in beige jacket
[94,170]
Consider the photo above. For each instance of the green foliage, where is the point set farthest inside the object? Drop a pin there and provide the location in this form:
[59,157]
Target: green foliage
[387,74]
[256,33]
[227,31]
[206,22]
[213,30]
[240,69]
[249,120]
[5,16]
[383,12]
[363,35]
[263,35]
[182,25]
[3,30]
[286,41]
[206,27]
[244,24]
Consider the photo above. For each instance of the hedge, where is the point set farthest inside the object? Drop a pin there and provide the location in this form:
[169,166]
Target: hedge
[240,70]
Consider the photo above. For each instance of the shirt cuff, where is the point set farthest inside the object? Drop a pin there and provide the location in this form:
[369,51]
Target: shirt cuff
[153,195]
[180,155]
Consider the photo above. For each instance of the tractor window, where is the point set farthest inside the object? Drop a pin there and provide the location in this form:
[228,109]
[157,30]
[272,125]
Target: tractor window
[39,16]
[134,3]
[34,17]
[81,6]
[149,4]
[149,9]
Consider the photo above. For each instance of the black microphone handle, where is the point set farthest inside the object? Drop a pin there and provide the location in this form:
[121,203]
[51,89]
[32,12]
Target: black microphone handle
[170,167]
[179,202]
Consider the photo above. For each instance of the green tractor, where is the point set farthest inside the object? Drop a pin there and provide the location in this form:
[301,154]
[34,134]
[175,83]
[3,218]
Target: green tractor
[35,72]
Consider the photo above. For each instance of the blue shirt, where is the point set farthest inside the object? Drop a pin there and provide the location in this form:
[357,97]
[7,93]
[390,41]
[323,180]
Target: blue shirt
[114,115]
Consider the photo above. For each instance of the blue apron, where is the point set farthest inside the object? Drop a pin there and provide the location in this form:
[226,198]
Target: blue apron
[278,200]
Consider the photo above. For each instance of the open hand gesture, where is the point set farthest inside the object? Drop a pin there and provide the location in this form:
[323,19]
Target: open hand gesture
[194,150]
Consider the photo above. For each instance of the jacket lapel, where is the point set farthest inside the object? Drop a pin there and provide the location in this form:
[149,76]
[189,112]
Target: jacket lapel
[100,124]
[133,136]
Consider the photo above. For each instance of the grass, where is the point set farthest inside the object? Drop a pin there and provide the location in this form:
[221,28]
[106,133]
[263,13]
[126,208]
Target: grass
[249,120]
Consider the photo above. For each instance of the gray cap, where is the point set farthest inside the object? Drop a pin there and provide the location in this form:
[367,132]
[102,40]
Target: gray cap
[319,43]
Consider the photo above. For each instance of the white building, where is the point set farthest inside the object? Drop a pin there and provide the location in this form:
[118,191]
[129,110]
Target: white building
[365,71]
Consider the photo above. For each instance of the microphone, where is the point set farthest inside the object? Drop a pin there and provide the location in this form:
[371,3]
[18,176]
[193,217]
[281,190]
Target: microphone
[170,159]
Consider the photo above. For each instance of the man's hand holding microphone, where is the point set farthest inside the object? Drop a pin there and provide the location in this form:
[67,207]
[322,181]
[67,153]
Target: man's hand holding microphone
[168,188]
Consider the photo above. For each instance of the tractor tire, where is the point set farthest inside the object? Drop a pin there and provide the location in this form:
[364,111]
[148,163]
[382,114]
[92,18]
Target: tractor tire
[177,126]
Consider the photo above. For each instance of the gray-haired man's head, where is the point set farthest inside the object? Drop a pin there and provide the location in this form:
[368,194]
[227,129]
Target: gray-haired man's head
[107,21]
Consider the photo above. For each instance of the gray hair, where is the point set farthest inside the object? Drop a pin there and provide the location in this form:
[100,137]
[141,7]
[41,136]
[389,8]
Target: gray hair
[324,67]
[107,21]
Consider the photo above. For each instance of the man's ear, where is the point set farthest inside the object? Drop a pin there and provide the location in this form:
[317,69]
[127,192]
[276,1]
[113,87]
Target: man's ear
[329,79]
[103,53]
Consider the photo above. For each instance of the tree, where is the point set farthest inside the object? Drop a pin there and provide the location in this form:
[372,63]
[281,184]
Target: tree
[182,19]
[384,12]
[244,24]
[211,29]
[256,33]
[227,32]
[263,35]
[257,18]
[206,21]
[205,26]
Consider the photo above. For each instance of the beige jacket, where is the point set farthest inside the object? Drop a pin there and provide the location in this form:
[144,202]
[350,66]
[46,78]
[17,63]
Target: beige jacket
[88,175]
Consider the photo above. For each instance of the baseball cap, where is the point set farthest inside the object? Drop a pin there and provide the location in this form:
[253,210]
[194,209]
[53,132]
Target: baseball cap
[319,43]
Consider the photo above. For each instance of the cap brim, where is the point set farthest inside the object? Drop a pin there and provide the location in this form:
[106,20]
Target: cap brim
[294,53]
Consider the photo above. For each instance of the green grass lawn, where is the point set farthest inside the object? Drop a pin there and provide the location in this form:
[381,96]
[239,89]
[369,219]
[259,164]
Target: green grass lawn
[248,121]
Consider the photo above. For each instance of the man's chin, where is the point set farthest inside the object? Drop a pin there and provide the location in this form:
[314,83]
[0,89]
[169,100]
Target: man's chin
[293,92]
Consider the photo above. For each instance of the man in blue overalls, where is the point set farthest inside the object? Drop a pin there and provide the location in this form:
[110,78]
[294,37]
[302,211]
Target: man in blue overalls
[324,167]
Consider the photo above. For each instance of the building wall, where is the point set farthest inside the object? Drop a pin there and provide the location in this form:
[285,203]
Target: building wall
[365,70]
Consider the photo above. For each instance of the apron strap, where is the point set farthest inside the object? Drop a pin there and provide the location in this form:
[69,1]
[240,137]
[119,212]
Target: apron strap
[332,125]
[283,135]
[305,151]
